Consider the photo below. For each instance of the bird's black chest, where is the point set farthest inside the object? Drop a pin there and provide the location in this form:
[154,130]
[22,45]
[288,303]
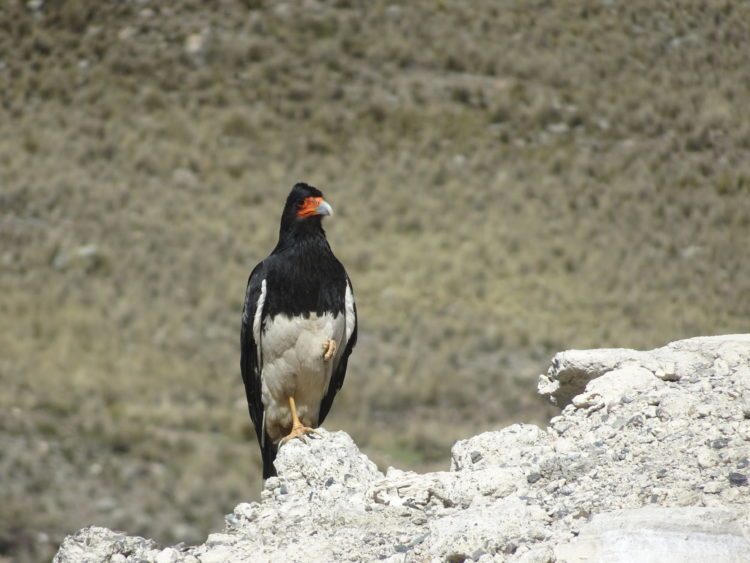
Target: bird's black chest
[303,282]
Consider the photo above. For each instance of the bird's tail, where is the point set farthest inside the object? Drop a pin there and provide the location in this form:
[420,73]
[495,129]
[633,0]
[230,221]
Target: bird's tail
[268,452]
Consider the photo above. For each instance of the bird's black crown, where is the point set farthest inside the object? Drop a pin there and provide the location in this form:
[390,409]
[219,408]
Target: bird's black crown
[300,192]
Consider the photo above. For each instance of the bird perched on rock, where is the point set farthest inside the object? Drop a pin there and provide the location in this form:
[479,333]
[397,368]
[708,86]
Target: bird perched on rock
[299,326]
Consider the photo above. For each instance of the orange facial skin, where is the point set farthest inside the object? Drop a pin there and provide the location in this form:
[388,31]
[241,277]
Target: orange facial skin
[309,207]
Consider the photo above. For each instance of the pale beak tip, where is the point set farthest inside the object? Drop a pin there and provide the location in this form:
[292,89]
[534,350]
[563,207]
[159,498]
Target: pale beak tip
[325,209]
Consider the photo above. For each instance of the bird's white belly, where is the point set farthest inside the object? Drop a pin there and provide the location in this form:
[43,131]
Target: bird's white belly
[293,366]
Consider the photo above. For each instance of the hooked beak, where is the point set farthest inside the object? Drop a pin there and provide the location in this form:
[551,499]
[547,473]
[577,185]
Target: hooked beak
[324,208]
[314,206]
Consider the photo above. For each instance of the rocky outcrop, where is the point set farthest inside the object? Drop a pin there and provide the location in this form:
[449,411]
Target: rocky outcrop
[571,370]
[648,461]
[692,534]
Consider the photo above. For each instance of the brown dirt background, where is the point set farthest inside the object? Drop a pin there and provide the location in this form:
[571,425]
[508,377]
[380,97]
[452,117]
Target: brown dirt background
[509,179]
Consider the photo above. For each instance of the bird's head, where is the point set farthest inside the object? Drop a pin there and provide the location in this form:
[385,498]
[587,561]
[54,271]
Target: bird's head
[304,209]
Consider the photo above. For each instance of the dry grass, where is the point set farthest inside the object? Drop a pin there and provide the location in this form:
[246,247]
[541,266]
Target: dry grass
[509,179]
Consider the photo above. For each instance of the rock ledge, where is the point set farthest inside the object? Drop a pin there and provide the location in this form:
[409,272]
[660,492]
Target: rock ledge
[648,461]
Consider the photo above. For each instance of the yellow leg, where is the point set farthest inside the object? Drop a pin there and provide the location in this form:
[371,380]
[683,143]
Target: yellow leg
[295,419]
[298,429]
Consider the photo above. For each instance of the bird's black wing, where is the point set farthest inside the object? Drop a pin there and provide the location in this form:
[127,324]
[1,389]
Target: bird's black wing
[339,370]
[251,361]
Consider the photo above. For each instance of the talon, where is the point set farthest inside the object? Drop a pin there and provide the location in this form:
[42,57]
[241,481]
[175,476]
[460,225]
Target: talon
[329,349]
[299,432]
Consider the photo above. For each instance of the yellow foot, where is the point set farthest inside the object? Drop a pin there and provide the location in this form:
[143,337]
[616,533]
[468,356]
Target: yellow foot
[329,349]
[300,432]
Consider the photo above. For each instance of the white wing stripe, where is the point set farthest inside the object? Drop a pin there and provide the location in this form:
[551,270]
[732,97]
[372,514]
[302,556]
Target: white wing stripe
[351,319]
[257,332]
[257,322]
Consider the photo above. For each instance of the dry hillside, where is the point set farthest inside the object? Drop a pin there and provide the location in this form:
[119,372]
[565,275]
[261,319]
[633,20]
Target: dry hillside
[509,178]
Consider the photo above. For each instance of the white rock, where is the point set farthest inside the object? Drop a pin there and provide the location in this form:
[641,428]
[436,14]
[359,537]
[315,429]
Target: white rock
[706,458]
[721,368]
[614,386]
[507,447]
[219,554]
[324,461]
[168,555]
[573,369]
[536,555]
[742,377]
[655,535]
[714,487]
[444,489]
[494,529]
[564,446]
[94,544]
[521,493]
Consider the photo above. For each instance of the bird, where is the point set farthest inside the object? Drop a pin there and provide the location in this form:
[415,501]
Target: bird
[299,327]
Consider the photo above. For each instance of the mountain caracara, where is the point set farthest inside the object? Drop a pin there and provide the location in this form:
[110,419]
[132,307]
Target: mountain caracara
[299,326]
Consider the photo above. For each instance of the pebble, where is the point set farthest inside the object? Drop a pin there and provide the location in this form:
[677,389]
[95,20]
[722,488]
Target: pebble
[667,372]
[532,478]
[719,443]
[168,555]
[563,446]
[653,400]
[721,368]
[713,488]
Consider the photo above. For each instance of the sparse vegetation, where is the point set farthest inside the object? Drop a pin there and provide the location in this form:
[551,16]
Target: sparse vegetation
[509,180]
